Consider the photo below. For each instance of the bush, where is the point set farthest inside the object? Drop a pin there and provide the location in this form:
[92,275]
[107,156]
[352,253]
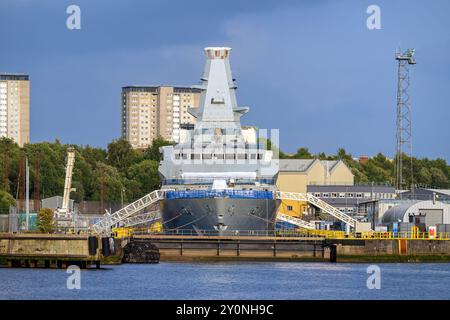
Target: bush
[6,201]
[45,221]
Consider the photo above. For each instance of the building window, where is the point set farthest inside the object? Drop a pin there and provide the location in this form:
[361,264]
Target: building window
[289,208]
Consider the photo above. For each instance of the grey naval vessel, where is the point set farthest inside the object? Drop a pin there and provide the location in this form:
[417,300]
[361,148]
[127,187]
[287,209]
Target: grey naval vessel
[218,179]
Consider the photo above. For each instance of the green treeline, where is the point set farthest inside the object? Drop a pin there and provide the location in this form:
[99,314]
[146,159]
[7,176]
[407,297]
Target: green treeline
[122,171]
[380,169]
[115,172]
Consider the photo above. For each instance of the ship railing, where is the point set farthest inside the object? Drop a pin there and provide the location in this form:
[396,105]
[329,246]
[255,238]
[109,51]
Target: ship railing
[195,194]
[194,181]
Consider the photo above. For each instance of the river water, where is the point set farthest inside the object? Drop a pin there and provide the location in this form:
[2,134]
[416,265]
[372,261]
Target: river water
[231,280]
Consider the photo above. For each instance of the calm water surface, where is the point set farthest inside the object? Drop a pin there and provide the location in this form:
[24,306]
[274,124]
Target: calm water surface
[237,280]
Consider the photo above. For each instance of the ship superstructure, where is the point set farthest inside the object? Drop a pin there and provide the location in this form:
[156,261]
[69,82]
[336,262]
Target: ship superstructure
[220,178]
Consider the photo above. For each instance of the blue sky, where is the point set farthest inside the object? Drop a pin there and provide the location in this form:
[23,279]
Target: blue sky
[310,68]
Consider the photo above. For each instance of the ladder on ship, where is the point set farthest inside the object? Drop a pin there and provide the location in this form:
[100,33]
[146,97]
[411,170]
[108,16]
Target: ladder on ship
[333,211]
[129,212]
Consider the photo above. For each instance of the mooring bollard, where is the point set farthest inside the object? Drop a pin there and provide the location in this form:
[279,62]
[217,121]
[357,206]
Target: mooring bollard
[333,253]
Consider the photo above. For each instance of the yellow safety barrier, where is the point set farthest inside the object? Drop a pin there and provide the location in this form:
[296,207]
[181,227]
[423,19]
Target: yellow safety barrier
[413,234]
[121,233]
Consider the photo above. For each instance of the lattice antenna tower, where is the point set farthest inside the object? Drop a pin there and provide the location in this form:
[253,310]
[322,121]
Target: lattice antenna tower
[403,123]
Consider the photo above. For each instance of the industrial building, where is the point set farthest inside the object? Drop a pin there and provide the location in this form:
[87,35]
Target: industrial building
[296,174]
[377,207]
[348,198]
[149,112]
[15,107]
[427,194]
[417,213]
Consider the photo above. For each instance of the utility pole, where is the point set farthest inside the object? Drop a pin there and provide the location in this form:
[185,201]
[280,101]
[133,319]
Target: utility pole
[27,195]
[37,181]
[6,167]
[403,122]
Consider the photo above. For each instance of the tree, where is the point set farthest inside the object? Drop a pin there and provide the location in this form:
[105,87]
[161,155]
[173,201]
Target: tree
[303,153]
[145,173]
[342,155]
[6,201]
[108,178]
[45,221]
[424,177]
[438,178]
[152,152]
[121,155]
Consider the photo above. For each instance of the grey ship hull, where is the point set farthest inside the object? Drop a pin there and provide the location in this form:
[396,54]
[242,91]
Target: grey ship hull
[221,216]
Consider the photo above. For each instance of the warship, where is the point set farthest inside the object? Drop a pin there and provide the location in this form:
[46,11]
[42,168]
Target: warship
[219,178]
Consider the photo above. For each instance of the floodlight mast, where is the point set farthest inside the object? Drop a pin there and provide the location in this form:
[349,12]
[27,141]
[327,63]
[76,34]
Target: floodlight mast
[403,122]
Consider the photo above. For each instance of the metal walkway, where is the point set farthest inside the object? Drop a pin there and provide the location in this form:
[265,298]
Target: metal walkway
[296,221]
[111,220]
[333,211]
[128,215]
[142,218]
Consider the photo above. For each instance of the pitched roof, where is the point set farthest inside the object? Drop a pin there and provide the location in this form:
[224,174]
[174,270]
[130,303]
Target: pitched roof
[329,164]
[295,165]
[442,191]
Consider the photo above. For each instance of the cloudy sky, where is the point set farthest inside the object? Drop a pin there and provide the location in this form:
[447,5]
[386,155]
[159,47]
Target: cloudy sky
[310,68]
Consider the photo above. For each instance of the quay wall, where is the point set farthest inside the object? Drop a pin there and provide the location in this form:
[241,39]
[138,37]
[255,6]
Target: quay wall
[29,245]
[53,249]
[391,249]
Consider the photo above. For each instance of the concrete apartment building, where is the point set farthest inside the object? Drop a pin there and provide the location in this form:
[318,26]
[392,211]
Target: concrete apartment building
[15,107]
[149,112]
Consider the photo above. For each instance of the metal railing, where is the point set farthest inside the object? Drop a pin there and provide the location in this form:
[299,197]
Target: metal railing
[333,211]
[211,180]
[194,194]
[295,221]
[228,233]
[110,220]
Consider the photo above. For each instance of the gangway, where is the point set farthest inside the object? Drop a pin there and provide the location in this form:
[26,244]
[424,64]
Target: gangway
[142,218]
[111,220]
[333,211]
[129,216]
[295,221]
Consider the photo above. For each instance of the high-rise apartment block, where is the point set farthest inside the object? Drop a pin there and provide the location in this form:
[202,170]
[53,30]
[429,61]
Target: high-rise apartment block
[15,107]
[149,112]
